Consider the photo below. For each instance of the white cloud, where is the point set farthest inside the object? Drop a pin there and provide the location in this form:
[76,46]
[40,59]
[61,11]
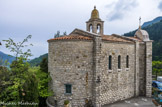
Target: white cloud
[42,18]
[120,9]
[160,6]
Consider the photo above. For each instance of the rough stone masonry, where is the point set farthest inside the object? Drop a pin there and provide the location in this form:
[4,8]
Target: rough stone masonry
[89,67]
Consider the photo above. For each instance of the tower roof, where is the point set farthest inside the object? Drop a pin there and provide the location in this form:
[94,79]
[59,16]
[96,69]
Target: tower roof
[95,13]
[142,34]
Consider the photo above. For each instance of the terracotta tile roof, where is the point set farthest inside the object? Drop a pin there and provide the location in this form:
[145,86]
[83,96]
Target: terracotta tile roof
[135,38]
[80,37]
[115,39]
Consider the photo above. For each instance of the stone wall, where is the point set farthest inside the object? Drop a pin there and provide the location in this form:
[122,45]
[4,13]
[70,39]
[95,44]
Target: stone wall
[81,62]
[117,84]
[148,68]
[97,69]
[136,73]
[142,69]
[145,68]
[71,62]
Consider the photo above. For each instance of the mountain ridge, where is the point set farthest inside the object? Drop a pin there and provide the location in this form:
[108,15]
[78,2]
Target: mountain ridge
[33,62]
[36,61]
[155,20]
[4,57]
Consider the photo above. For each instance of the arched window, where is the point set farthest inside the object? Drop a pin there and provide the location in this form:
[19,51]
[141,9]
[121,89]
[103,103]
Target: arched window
[90,27]
[119,62]
[127,61]
[98,28]
[110,62]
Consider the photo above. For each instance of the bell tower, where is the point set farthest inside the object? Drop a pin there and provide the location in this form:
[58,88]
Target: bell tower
[95,24]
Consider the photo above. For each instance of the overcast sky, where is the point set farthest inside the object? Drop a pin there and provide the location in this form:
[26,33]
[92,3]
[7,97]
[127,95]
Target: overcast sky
[43,18]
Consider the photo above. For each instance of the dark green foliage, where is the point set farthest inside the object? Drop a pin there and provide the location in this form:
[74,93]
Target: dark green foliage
[59,35]
[22,83]
[130,34]
[44,91]
[66,102]
[4,82]
[155,33]
[19,85]
[44,65]
[19,66]
[43,79]
[37,61]
[30,88]
[157,68]
[64,33]
[4,63]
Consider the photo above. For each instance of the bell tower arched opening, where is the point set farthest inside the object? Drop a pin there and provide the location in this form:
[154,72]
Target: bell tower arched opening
[90,28]
[98,28]
[95,24]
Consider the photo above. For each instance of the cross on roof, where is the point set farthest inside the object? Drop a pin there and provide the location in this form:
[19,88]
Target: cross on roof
[139,21]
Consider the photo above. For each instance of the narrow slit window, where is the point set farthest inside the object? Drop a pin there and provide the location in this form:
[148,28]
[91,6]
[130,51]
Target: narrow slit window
[110,62]
[127,61]
[119,62]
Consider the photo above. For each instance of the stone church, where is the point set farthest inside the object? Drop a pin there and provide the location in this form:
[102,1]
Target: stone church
[90,67]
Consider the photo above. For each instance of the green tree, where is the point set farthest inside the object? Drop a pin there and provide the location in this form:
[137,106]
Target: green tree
[57,34]
[44,65]
[23,84]
[3,63]
[64,33]
[44,78]
[4,82]
[18,47]
[4,78]
[157,68]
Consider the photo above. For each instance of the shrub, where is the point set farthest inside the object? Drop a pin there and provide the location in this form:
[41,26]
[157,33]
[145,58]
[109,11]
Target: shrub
[66,102]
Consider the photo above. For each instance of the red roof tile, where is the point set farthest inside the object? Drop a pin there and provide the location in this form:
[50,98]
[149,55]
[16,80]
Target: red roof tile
[80,37]
[115,39]
[135,38]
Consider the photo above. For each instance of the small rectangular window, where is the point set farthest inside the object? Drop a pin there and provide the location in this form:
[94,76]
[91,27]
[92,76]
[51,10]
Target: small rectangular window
[68,88]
